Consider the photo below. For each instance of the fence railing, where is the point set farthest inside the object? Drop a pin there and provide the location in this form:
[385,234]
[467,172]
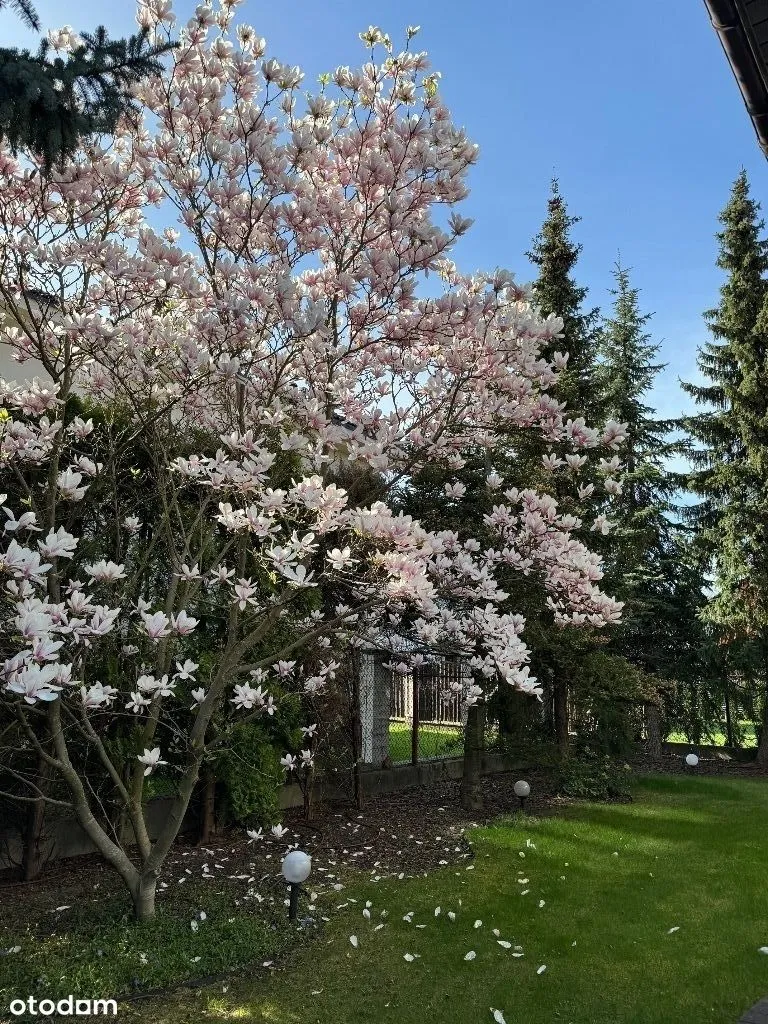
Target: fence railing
[426,718]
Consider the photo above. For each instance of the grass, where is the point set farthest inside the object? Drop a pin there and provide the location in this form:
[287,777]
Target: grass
[104,954]
[689,854]
[719,739]
[434,741]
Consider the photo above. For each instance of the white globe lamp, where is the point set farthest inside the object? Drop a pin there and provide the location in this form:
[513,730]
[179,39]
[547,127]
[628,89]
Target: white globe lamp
[522,791]
[296,868]
[691,760]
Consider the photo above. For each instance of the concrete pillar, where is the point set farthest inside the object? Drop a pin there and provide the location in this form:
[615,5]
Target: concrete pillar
[374,708]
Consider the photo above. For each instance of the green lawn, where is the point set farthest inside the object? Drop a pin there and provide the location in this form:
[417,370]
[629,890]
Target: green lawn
[434,741]
[719,739]
[616,880]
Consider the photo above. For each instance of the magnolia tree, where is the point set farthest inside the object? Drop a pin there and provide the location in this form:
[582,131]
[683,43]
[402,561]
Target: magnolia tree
[181,539]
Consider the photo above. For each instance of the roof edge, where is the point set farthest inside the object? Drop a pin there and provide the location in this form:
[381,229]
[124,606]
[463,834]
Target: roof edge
[740,50]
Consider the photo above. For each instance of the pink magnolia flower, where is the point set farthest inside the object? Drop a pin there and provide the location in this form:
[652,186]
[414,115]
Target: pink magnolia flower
[58,544]
[105,572]
[183,624]
[35,682]
[155,625]
[69,485]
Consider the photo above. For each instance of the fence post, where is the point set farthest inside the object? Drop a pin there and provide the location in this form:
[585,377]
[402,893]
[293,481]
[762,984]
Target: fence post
[415,719]
[357,730]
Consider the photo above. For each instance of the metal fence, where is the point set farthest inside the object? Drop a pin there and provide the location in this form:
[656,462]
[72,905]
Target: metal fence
[411,717]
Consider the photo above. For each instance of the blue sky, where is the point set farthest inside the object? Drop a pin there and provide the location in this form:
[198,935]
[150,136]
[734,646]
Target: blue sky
[631,103]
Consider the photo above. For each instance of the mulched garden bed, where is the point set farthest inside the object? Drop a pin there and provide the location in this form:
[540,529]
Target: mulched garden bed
[411,832]
[718,764]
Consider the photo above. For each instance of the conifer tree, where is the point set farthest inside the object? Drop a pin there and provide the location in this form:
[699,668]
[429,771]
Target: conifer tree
[729,453]
[642,551]
[49,103]
[555,254]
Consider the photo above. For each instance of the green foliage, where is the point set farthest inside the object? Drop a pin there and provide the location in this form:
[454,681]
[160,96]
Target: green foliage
[729,455]
[49,106]
[101,952]
[25,10]
[609,692]
[251,774]
[248,767]
[730,434]
[555,255]
[591,775]
[645,549]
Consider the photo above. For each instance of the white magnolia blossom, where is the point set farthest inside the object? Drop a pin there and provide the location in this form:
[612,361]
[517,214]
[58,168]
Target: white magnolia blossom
[150,759]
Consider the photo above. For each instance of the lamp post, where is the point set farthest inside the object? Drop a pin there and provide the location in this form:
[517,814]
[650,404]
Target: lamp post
[522,792]
[691,760]
[296,868]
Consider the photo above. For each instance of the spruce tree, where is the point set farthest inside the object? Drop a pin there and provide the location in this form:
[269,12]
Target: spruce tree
[729,453]
[47,106]
[555,254]
[642,550]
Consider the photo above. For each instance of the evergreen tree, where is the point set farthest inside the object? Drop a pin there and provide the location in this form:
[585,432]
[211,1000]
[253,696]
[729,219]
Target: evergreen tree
[643,553]
[555,255]
[730,450]
[25,10]
[48,105]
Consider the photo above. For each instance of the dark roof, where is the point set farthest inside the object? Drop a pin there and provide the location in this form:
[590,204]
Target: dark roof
[742,26]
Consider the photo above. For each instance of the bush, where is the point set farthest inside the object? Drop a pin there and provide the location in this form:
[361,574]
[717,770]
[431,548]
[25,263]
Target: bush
[594,776]
[251,774]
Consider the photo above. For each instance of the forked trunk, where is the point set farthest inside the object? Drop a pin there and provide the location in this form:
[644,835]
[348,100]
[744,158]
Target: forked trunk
[474,742]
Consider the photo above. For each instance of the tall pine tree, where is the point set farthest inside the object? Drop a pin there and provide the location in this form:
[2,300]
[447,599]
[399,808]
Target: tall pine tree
[648,564]
[554,254]
[729,453]
[642,549]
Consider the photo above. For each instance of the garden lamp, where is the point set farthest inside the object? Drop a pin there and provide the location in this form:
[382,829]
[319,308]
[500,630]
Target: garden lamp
[522,792]
[296,868]
[691,760]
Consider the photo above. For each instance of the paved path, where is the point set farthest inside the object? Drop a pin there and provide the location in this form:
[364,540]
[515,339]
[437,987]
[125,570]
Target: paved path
[758,1014]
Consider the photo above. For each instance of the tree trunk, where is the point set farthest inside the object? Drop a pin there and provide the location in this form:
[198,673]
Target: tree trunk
[208,812]
[560,702]
[357,733]
[143,894]
[415,677]
[653,728]
[762,747]
[32,854]
[474,741]
[307,796]
[728,721]
[514,713]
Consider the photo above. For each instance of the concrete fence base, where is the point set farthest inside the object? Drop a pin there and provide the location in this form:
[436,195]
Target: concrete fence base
[65,837]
